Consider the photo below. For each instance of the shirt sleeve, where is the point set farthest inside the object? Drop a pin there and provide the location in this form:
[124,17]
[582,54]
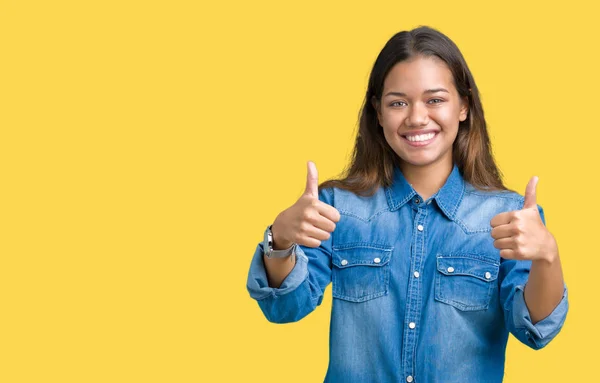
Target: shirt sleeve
[302,290]
[514,275]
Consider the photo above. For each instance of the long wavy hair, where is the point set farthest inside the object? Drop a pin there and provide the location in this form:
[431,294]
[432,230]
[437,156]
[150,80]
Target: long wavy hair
[373,160]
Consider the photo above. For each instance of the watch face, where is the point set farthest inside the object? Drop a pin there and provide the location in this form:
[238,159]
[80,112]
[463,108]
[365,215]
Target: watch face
[268,242]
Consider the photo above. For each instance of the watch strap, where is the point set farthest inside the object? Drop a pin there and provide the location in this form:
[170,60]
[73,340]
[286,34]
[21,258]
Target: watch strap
[268,246]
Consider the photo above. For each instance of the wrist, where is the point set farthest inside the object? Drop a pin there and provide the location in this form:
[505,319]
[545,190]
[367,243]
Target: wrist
[550,255]
[269,248]
[279,243]
[547,260]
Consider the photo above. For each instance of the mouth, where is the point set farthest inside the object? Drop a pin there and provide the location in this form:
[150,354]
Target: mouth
[421,139]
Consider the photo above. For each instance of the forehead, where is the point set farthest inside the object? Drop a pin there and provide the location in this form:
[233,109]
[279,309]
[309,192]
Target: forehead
[417,74]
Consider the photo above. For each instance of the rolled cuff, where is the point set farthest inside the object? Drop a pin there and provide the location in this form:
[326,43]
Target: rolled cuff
[540,334]
[258,284]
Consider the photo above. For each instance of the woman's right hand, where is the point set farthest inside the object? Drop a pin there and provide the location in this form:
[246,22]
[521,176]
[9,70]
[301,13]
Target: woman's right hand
[307,222]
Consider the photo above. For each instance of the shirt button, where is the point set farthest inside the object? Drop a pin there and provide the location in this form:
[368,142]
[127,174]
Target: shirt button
[377,260]
[420,227]
[344,262]
[412,325]
[488,275]
[450,269]
[416,274]
[409,379]
[417,201]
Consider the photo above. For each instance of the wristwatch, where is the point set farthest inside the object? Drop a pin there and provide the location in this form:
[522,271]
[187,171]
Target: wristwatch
[268,246]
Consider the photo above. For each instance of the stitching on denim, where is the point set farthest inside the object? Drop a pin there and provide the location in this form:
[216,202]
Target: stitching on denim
[470,255]
[361,299]
[467,230]
[383,268]
[462,306]
[364,245]
[392,201]
[390,198]
[509,195]
[407,198]
[419,289]
[459,305]
[462,194]
[368,263]
[351,214]
[463,225]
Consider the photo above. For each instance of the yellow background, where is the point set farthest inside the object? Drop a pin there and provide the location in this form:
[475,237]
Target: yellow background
[145,146]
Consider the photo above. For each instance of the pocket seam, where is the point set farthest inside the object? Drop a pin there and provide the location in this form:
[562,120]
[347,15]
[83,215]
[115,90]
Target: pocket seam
[383,267]
[461,305]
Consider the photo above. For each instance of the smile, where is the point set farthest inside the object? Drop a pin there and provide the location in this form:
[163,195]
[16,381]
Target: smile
[420,139]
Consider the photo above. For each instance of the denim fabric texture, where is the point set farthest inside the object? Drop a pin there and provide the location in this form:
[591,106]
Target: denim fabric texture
[420,294]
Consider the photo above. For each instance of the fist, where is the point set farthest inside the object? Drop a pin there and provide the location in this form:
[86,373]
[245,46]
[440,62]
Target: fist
[521,234]
[307,222]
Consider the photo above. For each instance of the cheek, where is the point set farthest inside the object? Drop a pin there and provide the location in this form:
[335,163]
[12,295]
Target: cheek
[388,134]
[446,115]
[391,136]
[392,118]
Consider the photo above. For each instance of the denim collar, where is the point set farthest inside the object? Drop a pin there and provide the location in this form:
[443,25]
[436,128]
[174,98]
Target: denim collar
[448,197]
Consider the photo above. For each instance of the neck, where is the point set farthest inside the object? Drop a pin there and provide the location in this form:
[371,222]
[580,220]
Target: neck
[427,180]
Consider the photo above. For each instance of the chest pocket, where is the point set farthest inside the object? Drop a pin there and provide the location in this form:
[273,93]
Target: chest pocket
[360,272]
[465,281]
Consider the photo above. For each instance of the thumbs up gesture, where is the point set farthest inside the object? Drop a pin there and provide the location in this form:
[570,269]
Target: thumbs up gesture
[307,222]
[521,234]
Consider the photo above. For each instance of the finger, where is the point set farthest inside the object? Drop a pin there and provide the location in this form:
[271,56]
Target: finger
[312,180]
[316,233]
[508,254]
[323,223]
[530,194]
[505,243]
[503,231]
[502,219]
[328,211]
[308,242]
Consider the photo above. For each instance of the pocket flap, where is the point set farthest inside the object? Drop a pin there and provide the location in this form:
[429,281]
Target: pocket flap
[365,255]
[486,270]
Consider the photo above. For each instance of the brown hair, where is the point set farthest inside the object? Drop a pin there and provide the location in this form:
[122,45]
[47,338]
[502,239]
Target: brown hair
[373,160]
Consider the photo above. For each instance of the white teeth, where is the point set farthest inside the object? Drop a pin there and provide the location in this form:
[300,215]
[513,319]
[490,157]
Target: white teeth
[422,137]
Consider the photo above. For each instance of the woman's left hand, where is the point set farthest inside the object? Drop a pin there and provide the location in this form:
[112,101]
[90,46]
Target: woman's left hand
[521,234]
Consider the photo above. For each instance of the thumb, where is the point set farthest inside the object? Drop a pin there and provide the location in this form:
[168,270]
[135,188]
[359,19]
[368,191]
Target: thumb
[530,198]
[312,181]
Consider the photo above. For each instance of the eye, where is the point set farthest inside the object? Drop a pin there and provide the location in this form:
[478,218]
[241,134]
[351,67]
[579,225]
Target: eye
[398,102]
[435,101]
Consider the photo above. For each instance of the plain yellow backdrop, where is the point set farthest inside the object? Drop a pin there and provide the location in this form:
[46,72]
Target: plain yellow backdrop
[145,146]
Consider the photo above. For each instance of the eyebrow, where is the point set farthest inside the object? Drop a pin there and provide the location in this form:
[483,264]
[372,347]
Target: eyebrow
[400,94]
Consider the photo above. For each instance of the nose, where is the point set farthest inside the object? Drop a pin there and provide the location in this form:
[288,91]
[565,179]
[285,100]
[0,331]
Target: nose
[417,115]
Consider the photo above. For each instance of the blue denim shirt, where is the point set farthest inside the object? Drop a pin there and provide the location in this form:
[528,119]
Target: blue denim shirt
[420,294]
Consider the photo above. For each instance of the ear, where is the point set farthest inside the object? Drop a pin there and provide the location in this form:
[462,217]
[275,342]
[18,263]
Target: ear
[464,109]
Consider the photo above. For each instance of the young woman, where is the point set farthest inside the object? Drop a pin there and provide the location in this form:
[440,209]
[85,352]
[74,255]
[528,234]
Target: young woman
[432,260]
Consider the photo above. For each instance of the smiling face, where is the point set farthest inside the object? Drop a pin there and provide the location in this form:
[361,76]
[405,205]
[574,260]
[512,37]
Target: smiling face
[420,111]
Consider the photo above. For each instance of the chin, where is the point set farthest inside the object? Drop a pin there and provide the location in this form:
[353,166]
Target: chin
[418,161]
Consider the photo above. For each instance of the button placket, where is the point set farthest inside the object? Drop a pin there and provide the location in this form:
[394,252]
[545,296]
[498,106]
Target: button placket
[414,298]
